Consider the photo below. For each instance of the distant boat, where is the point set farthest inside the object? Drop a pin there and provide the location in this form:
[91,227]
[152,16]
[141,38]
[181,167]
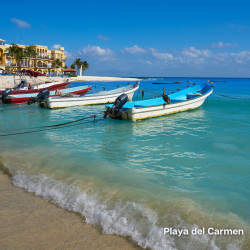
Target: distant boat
[90,99]
[166,82]
[24,98]
[189,98]
[212,81]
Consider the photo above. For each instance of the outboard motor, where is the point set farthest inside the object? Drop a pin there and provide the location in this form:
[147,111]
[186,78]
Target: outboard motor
[166,99]
[115,111]
[41,97]
[5,94]
[23,85]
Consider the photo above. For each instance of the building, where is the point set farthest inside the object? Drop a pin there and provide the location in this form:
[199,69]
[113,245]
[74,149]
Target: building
[70,71]
[42,62]
[2,66]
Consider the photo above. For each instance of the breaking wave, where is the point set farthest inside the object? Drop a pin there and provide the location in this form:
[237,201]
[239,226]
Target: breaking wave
[128,219]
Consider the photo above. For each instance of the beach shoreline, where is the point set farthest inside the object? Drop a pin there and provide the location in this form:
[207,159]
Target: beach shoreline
[29,222]
[8,81]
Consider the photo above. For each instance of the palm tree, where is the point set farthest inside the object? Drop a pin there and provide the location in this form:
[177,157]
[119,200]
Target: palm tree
[85,65]
[57,63]
[11,52]
[19,55]
[30,52]
[78,63]
[16,52]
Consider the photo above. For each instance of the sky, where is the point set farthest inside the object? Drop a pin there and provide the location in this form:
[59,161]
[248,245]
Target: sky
[138,38]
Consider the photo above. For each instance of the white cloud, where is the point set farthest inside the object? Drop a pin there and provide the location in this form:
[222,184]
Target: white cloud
[221,45]
[161,56]
[105,38]
[195,53]
[98,52]
[68,54]
[20,23]
[189,54]
[187,61]
[148,62]
[134,50]
[242,57]
[56,46]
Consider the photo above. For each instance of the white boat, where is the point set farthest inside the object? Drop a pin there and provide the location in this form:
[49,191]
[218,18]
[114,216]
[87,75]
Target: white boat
[186,99]
[90,99]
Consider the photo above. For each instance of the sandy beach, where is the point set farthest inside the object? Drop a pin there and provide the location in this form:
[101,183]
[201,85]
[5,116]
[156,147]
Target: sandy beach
[8,81]
[29,222]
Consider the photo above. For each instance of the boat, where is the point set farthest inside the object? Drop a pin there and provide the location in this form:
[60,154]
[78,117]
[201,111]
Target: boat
[189,98]
[24,98]
[25,87]
[90,99]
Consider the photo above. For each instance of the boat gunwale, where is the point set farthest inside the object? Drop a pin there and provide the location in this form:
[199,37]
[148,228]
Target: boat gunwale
[87,97]
[208,93]
[73,89]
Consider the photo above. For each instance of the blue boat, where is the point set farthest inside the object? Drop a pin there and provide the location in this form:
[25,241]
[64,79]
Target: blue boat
[189,98]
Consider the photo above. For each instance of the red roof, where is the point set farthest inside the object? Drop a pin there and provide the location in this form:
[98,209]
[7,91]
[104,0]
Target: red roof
[70,70]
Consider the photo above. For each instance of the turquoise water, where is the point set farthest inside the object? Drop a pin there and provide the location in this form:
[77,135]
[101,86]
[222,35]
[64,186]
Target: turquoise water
[185,170]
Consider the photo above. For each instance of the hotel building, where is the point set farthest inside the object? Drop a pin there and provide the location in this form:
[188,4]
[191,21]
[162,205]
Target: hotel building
[42,62]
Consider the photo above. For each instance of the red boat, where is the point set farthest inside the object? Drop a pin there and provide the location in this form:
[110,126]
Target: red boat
[24,98]
[25,88]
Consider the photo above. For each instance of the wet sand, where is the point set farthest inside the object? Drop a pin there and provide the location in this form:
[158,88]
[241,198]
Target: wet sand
[29,222]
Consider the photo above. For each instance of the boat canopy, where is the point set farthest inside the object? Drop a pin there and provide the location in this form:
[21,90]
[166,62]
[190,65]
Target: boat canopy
[32,73]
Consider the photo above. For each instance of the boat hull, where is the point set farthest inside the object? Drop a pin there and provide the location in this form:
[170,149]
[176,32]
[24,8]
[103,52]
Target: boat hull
[37,89]
[13,100]
[63,102]
[141,113]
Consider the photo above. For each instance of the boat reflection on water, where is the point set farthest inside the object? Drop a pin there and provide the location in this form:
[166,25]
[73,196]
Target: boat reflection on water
[169,124]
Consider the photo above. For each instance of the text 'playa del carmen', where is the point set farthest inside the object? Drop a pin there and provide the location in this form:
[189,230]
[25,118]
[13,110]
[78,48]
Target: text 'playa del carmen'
[201,231]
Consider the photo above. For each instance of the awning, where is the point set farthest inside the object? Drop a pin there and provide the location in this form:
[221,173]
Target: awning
[32,73]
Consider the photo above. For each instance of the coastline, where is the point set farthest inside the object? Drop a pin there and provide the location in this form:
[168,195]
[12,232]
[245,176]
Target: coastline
[102,78]
[8,81]
[29,222]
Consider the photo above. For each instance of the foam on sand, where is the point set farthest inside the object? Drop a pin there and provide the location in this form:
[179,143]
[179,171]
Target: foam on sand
[28,222]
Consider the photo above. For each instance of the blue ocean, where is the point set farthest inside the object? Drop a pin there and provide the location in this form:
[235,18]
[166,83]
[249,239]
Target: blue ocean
[189,170]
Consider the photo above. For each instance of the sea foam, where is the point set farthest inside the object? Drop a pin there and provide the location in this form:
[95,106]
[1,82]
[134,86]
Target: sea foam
[127,219]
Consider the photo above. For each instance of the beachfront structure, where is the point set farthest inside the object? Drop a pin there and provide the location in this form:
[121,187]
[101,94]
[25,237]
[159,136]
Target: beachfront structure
[2,55]
[70,71]
[42,62]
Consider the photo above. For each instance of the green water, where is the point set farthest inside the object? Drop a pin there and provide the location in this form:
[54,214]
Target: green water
[185,170]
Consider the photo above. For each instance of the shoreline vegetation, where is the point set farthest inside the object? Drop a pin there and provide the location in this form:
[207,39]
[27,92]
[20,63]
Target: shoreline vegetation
[8,81]
[29,222]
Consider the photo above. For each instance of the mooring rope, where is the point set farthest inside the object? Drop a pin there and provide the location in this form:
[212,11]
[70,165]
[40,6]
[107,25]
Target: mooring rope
[232,97]
[51,127]
[150,92]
